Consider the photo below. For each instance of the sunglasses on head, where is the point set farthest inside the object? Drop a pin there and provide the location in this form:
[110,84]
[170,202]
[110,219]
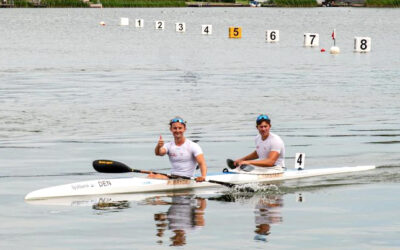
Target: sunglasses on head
[262,117]
[177,120]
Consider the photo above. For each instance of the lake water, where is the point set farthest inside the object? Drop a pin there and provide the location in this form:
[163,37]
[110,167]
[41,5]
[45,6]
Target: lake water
[72,91]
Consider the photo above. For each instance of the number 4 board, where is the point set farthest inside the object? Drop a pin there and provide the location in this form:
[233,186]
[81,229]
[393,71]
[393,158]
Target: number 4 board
[299,161]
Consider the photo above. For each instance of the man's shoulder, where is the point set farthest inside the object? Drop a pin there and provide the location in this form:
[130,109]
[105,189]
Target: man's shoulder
[192,144]
[188,141]
[275,137]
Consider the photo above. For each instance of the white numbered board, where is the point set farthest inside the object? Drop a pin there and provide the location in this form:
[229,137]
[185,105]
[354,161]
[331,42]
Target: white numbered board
[206,29]
[272,36]
[180,27]
[362,44]
[299,161]
[139,23]
[124,21]
[311,39]
[159,25]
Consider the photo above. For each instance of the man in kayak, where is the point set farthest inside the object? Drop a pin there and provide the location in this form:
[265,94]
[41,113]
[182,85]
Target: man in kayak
[183,153]
[270,149]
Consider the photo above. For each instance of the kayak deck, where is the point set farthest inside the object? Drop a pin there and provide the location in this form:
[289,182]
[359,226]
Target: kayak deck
[144,185]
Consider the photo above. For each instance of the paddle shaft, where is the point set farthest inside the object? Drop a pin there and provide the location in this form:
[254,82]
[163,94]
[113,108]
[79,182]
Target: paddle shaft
[107,166]
[183,177]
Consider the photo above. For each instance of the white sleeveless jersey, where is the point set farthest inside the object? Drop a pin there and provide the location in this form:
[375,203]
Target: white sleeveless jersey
[183,158]
[272,143]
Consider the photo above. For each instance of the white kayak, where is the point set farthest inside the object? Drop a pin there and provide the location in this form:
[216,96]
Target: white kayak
[143,185]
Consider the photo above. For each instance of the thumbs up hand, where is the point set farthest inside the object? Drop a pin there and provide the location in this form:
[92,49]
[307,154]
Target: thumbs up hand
[160,142]
[159,150]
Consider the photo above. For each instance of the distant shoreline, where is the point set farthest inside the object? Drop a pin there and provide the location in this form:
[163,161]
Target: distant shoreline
[211,4]
[182,3]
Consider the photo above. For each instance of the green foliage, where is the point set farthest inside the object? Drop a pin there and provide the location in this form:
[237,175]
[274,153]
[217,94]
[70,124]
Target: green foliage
[106,3]
[221,1]
[143,3]
[22,3]
[64,3]
[296,3]
[382,3]
[50,3]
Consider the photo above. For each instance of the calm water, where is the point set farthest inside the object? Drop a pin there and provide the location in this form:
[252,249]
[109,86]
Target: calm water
[72,91]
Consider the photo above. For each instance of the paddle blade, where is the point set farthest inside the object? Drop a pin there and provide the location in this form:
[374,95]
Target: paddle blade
[107,166]
[230,163]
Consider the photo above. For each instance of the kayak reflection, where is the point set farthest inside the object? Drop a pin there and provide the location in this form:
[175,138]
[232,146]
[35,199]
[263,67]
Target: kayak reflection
[186,213]
[186,210]
[110,205]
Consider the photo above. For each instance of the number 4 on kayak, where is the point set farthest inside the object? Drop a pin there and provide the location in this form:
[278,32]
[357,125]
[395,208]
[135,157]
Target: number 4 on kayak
[299,161]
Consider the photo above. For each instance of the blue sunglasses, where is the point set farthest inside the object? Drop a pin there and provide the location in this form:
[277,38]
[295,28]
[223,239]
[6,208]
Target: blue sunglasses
[262,117]
[177,120]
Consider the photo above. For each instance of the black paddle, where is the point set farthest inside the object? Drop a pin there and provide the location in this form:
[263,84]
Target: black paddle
[107,166]
[231,165]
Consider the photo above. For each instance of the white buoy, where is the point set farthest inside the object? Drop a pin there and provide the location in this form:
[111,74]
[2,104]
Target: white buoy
[362,44]
[272,36]
[206,29]
[124,21]
[335,50]
[102,23]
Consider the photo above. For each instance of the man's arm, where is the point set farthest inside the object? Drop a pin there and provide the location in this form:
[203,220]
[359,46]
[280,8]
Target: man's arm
[268,162]
[253,155]
[203,167]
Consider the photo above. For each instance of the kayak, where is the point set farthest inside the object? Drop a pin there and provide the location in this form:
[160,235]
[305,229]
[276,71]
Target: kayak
[129,185]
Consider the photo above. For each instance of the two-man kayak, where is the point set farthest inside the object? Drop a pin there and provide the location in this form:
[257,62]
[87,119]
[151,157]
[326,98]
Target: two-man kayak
[144,185]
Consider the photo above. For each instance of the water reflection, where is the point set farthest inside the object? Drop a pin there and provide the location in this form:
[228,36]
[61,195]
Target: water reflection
[186,213]
[110,205]
[267,210]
